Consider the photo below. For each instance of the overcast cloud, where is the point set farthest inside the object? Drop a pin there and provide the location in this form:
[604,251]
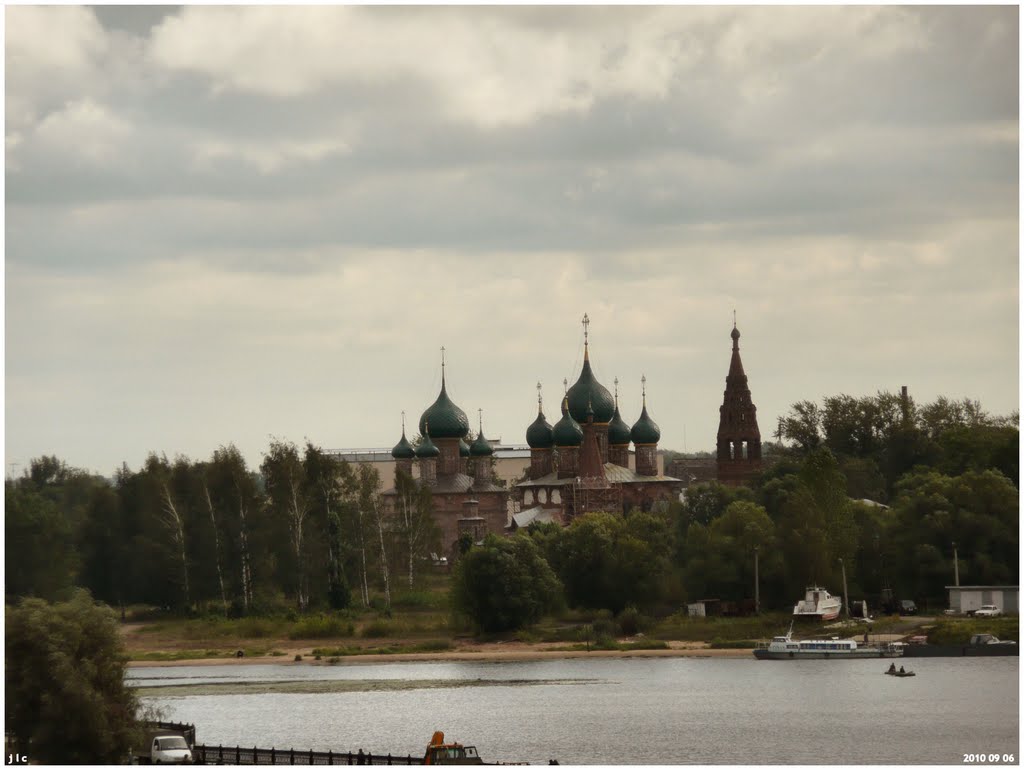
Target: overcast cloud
[227,223]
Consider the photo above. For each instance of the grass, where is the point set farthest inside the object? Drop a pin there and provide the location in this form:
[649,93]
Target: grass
[196,654]
[434,645]
[960,630]
[606,643]
[321,627]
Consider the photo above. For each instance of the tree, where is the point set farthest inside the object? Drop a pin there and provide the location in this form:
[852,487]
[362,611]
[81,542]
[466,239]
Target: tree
[610,562]
[39,544]
[977,510]
[504,584]
[721,556]
[414,519]
[172,509]
[803,425]
[66,698]
[235,495]
[285,478]
[329,480]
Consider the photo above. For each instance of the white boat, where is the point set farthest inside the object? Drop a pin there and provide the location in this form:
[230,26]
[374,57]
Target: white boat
[788,648]
[818,604]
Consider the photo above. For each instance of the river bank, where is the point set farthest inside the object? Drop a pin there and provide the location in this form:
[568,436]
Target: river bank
[484,653]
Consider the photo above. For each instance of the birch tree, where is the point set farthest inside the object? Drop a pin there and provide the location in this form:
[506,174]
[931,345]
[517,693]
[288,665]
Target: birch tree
[415,522]
[171,514]
[369,510]
[285,479]
[329,478]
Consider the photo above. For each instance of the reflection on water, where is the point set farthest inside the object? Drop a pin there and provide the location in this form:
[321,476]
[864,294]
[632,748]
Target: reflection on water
[632,711]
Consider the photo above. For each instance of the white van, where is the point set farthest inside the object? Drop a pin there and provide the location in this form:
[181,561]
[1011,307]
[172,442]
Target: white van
[170,750]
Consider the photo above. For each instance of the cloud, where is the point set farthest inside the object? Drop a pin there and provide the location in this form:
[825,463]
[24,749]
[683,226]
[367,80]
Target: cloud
[266,157]
[85,130]
[484,68]
[224,222]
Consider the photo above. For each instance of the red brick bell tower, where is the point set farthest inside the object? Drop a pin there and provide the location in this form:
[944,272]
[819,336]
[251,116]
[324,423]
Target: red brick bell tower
[739,440]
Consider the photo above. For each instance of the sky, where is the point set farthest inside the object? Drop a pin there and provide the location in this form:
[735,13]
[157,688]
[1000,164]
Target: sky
[227,224]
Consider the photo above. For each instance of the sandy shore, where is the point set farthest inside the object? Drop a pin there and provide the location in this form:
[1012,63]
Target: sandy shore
[484,652]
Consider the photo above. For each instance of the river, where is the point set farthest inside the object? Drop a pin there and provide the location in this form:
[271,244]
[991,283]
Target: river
[701,711]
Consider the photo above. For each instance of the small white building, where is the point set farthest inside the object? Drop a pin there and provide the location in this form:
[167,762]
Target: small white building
[970,598]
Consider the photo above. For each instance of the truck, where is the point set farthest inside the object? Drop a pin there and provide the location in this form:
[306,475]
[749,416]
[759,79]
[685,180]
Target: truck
[165,747]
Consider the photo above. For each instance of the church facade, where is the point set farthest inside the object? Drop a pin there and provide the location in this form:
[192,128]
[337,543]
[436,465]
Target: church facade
[464,497]
[578,465]
[581,463]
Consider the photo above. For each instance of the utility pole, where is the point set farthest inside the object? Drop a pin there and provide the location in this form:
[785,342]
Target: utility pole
[956,567]
[846,598]
[757,585]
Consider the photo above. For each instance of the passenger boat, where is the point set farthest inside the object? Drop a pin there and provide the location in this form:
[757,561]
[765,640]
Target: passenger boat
[788,648]
[818,604]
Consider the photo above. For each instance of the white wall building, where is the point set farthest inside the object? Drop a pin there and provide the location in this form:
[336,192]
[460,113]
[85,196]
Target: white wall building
[971,598]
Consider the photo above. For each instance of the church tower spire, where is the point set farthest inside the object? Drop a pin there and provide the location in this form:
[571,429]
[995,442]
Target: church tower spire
[739,439]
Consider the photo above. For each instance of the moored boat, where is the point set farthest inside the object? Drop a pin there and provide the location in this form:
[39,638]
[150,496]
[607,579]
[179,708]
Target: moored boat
[818,604]
[788,648]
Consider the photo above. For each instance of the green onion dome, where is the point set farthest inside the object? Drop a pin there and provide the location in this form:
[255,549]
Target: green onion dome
[428,448]
[463,448]
[403,449]
[646,430]
[586,393]
[445,419]
[618,430]
[567,432]
[538,435]
[481,447]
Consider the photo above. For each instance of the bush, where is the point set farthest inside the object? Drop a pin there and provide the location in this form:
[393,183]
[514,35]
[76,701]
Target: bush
[732,644]
[321,627]
[505,584]
[631,622]
[375,629]
[66,697]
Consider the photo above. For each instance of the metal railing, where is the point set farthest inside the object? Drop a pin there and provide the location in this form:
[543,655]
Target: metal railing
[238,755]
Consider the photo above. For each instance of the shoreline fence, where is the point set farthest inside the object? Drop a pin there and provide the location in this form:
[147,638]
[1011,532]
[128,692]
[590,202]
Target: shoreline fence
[239,755]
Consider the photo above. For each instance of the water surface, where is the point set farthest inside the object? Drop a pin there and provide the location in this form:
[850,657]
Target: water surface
[617,711]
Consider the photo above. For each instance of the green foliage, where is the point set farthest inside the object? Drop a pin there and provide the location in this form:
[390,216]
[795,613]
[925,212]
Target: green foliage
[66,698]
[977,510]
[684,628]
[321,627]
[720,557]
[631,622]
[504,584]
[961,630]
[609,561]
[39,545]
[432,645]
[733,644]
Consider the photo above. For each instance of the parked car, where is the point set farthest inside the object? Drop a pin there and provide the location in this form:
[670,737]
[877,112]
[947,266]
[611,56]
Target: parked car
[987,611]
[907,607]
